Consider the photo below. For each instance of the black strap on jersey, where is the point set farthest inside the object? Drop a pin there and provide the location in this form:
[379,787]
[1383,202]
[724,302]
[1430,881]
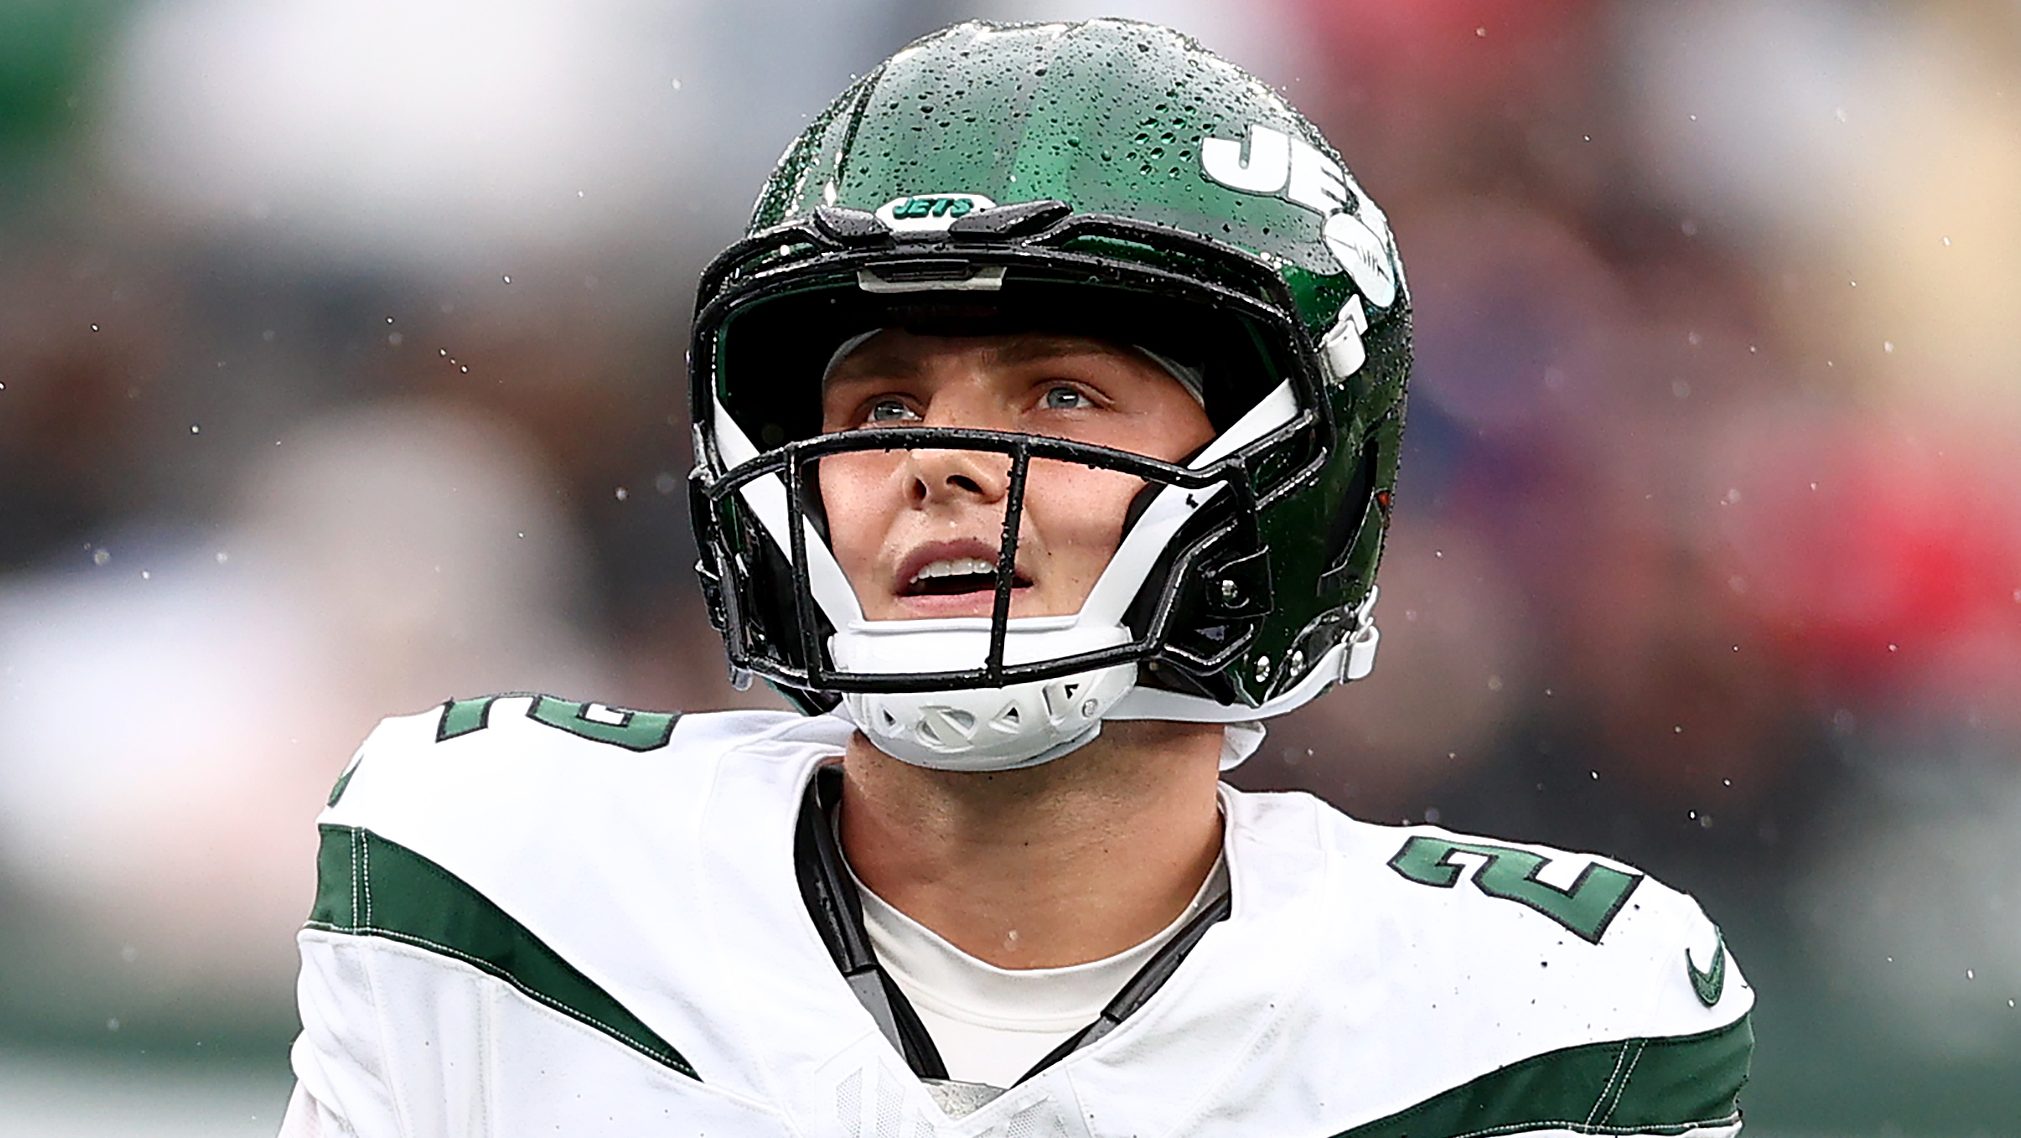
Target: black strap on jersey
[838,915]
[1142,986]
[837,911]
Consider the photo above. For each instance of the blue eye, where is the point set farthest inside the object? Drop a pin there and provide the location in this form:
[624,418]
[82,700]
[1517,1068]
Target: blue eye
[1061,397]
[889,410]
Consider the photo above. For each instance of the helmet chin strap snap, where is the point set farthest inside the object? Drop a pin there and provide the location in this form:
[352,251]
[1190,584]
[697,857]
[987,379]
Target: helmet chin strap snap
[1362,641]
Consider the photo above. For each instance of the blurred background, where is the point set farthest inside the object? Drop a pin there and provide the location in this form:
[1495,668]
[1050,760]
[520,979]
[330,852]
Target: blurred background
[340,373]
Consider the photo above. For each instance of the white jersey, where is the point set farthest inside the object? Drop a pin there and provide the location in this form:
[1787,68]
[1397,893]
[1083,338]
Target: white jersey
[538,917]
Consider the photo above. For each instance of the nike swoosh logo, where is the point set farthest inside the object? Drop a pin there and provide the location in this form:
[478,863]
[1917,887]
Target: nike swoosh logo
[1711,982]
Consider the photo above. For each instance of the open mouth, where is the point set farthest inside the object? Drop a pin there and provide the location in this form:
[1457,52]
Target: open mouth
[957,576]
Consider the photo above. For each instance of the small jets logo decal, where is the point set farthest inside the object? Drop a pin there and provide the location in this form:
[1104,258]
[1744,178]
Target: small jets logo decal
[929,212]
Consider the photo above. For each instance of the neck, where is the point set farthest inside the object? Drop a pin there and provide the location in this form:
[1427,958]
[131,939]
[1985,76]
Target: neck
[1062,863]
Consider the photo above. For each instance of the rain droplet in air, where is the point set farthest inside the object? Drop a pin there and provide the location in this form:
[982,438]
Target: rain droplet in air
[101,557]
[623,493]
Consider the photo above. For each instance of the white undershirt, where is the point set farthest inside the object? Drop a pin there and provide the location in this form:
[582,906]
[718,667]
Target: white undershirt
[990,1024]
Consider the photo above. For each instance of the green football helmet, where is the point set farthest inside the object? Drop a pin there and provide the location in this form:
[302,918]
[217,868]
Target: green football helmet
[1111,179]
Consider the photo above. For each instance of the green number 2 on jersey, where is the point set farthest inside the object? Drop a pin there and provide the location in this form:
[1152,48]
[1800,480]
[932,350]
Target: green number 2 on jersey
[1587,907]
[596,722]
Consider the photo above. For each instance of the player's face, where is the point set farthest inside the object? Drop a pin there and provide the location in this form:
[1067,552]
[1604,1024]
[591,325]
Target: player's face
[918,532]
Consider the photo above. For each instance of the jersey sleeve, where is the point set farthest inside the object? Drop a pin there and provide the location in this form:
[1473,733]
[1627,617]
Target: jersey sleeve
[491,875]
[1546,992]
[307,1118]
[1692,1071]
[342,1087]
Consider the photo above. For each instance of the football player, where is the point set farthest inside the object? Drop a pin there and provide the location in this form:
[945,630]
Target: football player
[1047,418]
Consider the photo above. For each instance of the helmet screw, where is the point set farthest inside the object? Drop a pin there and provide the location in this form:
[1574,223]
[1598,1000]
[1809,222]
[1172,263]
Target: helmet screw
[1262,668]
[1089,708]
[1229,590]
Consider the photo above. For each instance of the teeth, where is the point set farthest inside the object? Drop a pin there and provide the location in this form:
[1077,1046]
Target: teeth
[957,567]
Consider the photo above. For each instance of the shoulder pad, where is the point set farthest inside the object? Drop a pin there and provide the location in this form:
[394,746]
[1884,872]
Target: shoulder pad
[1537,917]
[464,749]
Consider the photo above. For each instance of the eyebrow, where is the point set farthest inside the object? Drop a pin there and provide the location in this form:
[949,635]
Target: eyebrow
[1022,350]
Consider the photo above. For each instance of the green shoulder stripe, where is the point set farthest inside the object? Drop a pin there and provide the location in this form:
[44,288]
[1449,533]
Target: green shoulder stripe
[1670,1085]
[368,886]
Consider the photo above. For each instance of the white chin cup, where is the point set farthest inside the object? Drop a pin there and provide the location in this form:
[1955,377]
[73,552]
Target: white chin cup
[980,729]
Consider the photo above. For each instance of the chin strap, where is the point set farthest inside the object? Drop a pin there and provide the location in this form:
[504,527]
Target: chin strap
[1037,721]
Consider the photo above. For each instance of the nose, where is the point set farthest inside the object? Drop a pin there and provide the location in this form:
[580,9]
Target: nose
[957,475]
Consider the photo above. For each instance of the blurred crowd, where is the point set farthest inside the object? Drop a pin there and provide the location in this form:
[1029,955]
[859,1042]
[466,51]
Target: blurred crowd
[341,373]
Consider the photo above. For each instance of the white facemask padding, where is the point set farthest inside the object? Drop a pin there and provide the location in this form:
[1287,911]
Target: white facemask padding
[766,497]
[1024,723]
